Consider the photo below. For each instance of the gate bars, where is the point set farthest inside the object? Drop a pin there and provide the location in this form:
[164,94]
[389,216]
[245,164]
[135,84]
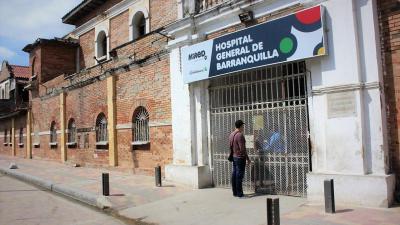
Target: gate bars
[272,101]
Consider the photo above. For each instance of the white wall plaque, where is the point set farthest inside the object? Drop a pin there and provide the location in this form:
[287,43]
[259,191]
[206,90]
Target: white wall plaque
[341,104]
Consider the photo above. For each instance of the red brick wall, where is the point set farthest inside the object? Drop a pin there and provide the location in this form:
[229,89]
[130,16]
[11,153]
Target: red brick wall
[43,113]
[146,86]
[19,121]
[162,12]
[56,60]
[5,124]
[84,105]
[86,41]
[119,29]
[108,4]
[389,17]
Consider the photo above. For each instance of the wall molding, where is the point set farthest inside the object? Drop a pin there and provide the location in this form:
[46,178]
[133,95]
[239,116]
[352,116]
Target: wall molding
[346,87]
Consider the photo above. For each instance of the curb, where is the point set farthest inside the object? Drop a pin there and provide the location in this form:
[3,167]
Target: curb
[100,202]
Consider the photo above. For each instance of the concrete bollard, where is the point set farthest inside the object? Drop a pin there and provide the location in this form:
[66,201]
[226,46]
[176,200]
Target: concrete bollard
[273,214]
[157,171]
[329,196]
[106,184]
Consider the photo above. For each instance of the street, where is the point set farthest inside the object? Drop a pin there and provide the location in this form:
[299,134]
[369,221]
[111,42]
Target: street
[21,203]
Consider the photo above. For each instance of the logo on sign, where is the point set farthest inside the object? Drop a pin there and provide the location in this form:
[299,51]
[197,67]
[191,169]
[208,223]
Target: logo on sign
[198,55]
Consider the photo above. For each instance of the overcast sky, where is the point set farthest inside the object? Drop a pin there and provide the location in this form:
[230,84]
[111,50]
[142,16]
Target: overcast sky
[23,21]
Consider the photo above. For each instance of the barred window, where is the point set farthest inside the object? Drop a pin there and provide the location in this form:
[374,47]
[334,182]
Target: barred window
[71,131]
[21,135]
[101,128]
[53,132]
[140,126]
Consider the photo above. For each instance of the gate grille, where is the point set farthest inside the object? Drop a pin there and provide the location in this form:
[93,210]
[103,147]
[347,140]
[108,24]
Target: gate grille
[273,104]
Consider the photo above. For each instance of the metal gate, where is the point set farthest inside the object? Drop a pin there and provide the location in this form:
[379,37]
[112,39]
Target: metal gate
[272,102]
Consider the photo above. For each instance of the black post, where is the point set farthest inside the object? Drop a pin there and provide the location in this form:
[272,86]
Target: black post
[329,196]
[273,217]
[106,184]
[158,175]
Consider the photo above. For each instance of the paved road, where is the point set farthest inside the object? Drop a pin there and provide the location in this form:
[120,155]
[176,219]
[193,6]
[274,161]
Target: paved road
[21,204]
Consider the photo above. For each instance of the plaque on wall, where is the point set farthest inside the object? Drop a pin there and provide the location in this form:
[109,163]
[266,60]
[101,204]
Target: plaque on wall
[341,104]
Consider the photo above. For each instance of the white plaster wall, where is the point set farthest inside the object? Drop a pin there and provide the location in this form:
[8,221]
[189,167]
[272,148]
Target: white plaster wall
[351,144]
[341,66]
[181,120]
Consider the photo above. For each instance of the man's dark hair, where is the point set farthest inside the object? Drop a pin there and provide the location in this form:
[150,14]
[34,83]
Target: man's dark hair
[239,123]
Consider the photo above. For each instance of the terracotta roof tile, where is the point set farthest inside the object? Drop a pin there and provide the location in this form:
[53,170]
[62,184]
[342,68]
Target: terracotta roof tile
[21,71]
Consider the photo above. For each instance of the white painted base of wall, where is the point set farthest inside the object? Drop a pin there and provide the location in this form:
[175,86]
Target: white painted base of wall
[195,176]
[363,190]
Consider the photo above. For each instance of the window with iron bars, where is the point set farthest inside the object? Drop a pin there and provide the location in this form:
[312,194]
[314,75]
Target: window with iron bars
[140,126]
[21,135]
[53,132]
[101,129]
[71,131]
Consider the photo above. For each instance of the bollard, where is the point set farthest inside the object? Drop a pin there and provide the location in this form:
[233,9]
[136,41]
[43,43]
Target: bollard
[158,175]
[273,217]
[329,196]
[106,184]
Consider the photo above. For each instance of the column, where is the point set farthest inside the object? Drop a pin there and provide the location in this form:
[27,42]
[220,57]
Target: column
[112,134]
[62,121]
[13,137]
[28,135]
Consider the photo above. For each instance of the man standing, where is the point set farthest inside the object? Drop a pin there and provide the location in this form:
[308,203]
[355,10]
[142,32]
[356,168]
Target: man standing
[238,145]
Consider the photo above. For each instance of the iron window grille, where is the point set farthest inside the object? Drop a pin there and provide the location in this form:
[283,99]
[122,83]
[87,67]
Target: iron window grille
[53,133]
[140,127]
[101,129]
[5,136]
[21,136]
[71,131]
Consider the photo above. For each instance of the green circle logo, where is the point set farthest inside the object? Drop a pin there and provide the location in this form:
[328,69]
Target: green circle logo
[286,45]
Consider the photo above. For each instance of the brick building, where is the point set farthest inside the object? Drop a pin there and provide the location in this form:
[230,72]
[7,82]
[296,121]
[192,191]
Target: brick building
[100,95]
[306,77]
[13,108]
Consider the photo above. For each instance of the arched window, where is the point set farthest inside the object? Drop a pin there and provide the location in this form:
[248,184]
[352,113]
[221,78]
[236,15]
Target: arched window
[140,126]
[71,131]
[21,136]
[138,25]
[101,44]
[53,132]
[5,136]
[101,128]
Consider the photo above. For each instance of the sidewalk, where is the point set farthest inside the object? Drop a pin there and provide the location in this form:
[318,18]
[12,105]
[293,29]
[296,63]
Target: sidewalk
[135,197]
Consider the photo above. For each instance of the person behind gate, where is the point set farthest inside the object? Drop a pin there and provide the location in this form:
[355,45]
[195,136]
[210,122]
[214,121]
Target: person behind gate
[238,146]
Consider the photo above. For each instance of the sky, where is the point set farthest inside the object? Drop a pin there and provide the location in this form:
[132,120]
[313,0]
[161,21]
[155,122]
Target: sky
[23,21]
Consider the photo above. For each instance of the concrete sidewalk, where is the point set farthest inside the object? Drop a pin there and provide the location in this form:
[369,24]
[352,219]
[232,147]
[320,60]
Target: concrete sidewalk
[136,198]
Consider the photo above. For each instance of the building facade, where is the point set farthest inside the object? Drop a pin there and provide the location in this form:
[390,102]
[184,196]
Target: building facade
[100,96]
[141,83]
[14,101]
[312,110]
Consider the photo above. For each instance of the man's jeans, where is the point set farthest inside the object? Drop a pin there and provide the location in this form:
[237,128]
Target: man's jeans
[239,166]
